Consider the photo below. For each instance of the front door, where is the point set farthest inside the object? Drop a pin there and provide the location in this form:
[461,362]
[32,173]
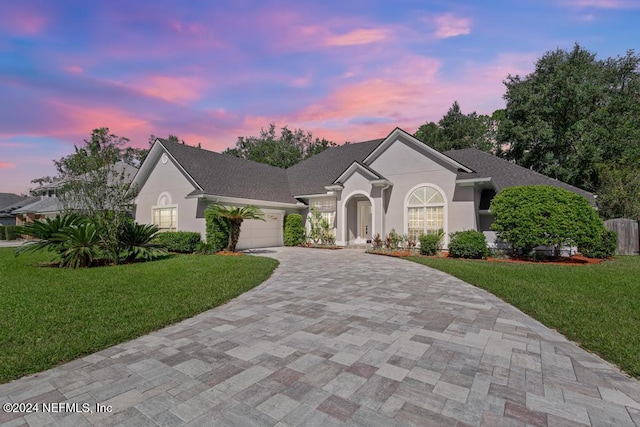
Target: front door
[364,222]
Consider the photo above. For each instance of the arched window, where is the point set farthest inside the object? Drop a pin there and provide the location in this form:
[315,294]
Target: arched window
[425,212]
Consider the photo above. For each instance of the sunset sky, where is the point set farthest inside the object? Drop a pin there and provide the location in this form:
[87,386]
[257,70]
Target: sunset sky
[210,71]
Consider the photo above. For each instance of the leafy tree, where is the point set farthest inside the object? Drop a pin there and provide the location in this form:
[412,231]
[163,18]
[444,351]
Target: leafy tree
[234,217]
[284,150]
[96,183]
[43,180]
[572,114]
[457,130]
[134,156]
[619,193]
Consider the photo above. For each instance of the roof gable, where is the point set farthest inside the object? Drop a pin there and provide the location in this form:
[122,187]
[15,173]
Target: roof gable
[218,174]
[312,175]
[365,171]
[7,199]
[419,146]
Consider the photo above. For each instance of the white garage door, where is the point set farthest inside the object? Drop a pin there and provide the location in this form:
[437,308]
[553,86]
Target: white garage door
[261,234]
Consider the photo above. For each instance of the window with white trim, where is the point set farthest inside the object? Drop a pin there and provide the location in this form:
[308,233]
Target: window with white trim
[166,218]
[425,212]
[326,208]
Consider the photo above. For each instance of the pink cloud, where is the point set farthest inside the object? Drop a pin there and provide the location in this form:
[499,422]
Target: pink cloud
[358,37]
[603,4]
[449,25]
[25,23]
[74,69]
[406,95]
[172,89]
[7,165]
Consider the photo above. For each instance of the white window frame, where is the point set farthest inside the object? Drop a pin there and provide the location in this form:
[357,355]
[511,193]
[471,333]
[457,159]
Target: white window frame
[327,208]
[164,202]
[444,205]
[172,227]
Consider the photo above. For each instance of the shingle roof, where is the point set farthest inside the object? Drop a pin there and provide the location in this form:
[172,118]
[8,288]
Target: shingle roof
[46,205]
[504,173]
[310,176]
[225,175]
[7,211]
[7,199]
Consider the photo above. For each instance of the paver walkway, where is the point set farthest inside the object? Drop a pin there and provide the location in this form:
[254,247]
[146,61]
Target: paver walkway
[341,337]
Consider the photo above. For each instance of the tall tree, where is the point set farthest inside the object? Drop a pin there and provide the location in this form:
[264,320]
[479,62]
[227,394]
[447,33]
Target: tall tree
[96,183]
[284,150]
[573,113]
[457,130]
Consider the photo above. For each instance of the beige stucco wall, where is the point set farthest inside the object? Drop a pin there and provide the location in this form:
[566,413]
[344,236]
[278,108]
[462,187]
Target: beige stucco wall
[167,179]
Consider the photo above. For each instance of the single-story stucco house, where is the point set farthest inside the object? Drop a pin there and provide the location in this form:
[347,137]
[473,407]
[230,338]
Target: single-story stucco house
[362,189]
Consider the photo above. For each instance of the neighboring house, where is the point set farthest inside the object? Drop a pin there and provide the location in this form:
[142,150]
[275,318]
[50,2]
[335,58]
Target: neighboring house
[8,203]
[361,189]
[46,204]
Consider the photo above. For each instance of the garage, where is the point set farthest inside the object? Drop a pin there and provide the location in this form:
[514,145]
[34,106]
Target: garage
[261,234]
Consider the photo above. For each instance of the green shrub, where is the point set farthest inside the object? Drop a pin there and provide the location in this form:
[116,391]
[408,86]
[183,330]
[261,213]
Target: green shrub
[542,215]
[205,248]
[293,230]
[178,241]
[468,244]
[430,244]
[3,235]
[604,246]
[217,230]
[10,232]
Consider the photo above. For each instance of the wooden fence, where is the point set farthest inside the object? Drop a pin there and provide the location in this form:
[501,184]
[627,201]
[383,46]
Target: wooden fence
[628,237]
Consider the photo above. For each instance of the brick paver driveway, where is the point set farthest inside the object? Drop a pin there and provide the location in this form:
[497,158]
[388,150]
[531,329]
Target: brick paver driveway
[341,337]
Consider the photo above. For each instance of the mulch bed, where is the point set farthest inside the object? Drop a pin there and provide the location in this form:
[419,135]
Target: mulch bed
[572,260]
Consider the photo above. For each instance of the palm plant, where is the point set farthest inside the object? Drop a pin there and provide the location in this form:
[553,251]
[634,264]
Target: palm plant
[47,233]
[80,245]
[235,216]
[136,240]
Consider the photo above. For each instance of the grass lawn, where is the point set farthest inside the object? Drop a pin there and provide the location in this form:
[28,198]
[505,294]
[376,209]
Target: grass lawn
[52,315]
[597,306]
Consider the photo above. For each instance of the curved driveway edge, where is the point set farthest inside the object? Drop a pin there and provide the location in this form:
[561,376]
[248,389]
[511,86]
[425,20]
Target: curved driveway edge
[335,338]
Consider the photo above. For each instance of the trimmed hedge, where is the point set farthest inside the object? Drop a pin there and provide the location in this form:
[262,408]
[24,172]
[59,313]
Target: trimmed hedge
[10,232]
[217,229]
[2,233]
[468,244]
[178,241]
[293,230]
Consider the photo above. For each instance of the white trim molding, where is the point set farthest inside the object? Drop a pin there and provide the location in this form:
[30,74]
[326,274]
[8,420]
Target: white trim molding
[445,209]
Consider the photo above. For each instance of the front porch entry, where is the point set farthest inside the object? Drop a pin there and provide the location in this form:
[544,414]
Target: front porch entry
[359,221]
